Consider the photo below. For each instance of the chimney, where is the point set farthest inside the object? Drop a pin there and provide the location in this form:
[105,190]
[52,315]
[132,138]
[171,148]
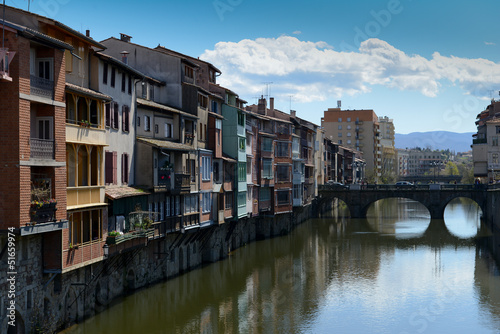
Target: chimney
[293,113]
[271,105]
[125,38]
[261,108]
[87,33]
[124,56]
[339,103]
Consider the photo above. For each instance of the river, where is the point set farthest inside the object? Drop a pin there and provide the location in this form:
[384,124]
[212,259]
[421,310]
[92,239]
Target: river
[395,272]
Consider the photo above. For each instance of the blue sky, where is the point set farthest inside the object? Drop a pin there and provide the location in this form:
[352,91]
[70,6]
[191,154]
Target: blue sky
[429,65]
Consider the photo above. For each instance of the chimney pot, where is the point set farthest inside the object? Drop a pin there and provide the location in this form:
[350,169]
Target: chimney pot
[124,56]
[87,33]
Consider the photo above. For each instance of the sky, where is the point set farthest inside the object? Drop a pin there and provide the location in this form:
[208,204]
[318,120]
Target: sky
[428,65]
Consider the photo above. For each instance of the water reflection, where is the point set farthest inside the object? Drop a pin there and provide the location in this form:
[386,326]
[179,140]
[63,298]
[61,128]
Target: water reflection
[328,275]
[400,217]
[462,217]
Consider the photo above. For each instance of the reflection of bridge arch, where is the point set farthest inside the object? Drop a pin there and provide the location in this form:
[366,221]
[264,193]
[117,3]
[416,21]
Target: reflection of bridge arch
[434,199]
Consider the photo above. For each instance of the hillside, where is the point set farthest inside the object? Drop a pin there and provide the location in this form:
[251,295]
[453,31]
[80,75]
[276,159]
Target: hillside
[436,140]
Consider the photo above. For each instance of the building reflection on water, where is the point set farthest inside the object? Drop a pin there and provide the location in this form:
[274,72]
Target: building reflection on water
[284,284]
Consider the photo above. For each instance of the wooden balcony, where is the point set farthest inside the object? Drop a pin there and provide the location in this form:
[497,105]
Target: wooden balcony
[85,195]
[182,183]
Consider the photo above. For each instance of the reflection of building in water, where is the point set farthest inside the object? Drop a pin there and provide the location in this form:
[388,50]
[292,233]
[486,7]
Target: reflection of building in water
[487,283]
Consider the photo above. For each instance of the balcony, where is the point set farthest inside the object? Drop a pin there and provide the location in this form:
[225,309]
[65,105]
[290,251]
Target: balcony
[176,183]
[182,183]
[41,87]
[41,148]
[264,205]
[42,213]
[479,141]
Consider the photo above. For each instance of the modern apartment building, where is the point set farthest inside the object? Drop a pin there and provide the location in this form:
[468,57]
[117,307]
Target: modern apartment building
[358,130]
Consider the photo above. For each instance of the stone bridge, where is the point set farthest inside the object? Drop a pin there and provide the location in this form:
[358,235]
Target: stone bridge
[434,197]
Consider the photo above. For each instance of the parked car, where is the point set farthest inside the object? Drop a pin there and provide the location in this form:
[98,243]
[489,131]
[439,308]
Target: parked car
[404,184]
[336,184]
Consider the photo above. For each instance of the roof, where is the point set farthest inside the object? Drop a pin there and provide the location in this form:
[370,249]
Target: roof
[173,146]
[152,104]
[127,67]
[87,92]
[211,113]
[47,20]
[181,55]
[116,192]
[36,35]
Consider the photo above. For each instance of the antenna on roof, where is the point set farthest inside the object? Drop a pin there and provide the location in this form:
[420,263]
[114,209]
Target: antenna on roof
[268,84]
[290,96]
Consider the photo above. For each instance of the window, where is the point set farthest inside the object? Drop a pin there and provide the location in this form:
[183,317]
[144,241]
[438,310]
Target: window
[241,145]
[206,202]
[155,212]
[348,141]
[156,128]
[44,68]
[125,169]
[129,84]
[105,73]
[124,82]
[242,197]
[202,101]
[494,141]
[168,130]
[190,163]
[162,211]
[497,129]
[348,119]
[340,120]
[348,134]
[144,90]
[206,164]
[229,200]
[267,144]
[494,158]
[218,124]
[115,116]
[113,75]
[107,108]
[241,119]
[125,118]
[214,107]
[340,134]
[147,123]
[265,194]
[283,197]
[177,205]
[167,206]
[138,121]
[297,191]
[340,142]
[191,203]
[151,92]
[282,149]
[348,127]
[44,128]
[282,173]
[340,127]
[110,166]
[267,168]
[242,171]
[188,72]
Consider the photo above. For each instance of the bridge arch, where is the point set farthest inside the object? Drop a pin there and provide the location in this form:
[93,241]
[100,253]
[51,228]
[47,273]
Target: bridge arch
[435,199]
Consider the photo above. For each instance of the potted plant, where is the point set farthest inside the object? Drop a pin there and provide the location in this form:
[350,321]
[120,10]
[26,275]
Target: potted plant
[111,238]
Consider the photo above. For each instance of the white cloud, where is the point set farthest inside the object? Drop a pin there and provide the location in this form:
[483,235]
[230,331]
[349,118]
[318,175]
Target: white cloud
[489,43]
[315,71]
[297,32]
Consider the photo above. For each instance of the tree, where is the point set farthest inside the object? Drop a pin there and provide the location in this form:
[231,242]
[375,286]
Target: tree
[451,169]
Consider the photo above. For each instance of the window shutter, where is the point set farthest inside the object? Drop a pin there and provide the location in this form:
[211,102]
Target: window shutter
[123,118]
[109,167]
[123,168]
[115,176]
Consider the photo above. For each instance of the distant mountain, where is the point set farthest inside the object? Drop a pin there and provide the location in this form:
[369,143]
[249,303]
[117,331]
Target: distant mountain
[436,140]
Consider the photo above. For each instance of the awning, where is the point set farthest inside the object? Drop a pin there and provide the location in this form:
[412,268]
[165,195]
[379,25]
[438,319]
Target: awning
[87,92]
[170,145]
[123,191]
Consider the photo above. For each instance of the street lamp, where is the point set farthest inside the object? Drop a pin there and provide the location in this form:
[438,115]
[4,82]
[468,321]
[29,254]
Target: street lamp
[105,251]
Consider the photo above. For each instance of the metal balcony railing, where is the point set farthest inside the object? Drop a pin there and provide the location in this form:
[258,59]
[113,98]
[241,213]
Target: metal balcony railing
[41,148]
[41,87]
